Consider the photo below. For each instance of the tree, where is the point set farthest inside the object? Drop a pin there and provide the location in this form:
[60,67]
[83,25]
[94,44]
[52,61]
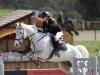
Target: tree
[67,6]
[90,9]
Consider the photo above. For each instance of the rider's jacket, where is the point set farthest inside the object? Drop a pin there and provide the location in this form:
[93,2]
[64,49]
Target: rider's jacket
[50,26]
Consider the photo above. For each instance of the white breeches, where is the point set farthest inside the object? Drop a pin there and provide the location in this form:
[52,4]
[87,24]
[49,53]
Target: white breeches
[58,35]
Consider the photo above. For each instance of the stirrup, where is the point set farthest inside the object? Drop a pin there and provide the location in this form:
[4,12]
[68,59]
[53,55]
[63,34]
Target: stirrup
[57,54]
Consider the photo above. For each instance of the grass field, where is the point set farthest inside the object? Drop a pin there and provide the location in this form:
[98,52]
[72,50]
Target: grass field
[92,46]
[4,12]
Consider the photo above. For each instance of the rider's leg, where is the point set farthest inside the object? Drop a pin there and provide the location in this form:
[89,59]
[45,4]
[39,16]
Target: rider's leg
[55,43]
[57,47]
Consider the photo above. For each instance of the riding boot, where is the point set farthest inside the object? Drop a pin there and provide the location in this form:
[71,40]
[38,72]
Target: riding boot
[57,48]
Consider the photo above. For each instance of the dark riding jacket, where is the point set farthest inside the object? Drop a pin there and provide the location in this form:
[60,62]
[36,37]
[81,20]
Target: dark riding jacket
[48,26]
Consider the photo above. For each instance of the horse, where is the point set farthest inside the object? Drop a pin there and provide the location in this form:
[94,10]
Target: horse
[66,24]
[42,47]
[69,27]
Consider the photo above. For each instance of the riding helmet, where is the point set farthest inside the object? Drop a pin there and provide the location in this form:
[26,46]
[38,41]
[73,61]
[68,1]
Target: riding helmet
[45,14]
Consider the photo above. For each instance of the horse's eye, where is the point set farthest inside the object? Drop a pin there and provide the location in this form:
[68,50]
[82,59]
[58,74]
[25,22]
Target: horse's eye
[20,32]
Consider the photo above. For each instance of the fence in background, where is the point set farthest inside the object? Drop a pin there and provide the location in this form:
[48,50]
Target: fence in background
[88,25]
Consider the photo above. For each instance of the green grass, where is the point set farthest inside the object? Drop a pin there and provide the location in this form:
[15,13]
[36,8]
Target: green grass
[92,46]
[5,11]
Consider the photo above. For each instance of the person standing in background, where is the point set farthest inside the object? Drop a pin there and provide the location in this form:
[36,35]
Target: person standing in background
[35,17]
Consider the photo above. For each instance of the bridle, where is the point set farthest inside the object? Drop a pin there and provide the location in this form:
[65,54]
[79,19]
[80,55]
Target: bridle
[22,38]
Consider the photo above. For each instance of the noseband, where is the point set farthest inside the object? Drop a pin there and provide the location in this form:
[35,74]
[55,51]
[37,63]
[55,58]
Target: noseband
[19,40]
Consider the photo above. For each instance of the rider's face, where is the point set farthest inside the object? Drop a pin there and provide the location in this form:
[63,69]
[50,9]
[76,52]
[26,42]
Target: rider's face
[45,18]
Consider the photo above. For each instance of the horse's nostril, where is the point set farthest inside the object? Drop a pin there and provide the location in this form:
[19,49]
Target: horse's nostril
[16,44]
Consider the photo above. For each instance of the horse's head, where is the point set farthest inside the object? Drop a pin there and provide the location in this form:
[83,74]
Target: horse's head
[20,35]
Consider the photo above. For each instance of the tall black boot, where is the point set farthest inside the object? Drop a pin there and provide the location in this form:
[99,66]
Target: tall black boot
[57,45]
[57,48]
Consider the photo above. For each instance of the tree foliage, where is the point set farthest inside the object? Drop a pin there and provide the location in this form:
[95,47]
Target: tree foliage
[89,9]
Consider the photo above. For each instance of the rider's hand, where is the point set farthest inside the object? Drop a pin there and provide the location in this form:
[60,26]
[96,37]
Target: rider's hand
[40,30]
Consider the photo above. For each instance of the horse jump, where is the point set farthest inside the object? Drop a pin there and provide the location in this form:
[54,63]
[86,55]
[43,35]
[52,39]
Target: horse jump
[86,66]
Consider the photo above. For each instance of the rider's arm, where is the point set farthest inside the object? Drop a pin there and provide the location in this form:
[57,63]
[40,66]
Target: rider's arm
[44,25]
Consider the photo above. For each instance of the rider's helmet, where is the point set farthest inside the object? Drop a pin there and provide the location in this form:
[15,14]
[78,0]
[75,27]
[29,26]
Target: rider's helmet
[45,14]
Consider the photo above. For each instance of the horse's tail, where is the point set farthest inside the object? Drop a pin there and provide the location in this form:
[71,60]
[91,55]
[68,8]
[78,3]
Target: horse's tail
[83,50]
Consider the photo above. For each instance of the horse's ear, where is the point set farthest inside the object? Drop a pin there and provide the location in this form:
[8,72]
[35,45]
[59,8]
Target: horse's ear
[17,24]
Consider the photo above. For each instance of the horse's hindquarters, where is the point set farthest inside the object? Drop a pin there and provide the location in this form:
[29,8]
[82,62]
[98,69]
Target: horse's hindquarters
[83,51]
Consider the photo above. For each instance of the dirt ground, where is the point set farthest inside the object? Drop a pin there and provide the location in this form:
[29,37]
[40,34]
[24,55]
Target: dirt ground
[88,35]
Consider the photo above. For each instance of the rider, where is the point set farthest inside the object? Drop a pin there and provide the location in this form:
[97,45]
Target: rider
[51,26]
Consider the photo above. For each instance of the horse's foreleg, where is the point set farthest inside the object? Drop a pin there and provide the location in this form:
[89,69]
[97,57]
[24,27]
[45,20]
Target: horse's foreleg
[35,60]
